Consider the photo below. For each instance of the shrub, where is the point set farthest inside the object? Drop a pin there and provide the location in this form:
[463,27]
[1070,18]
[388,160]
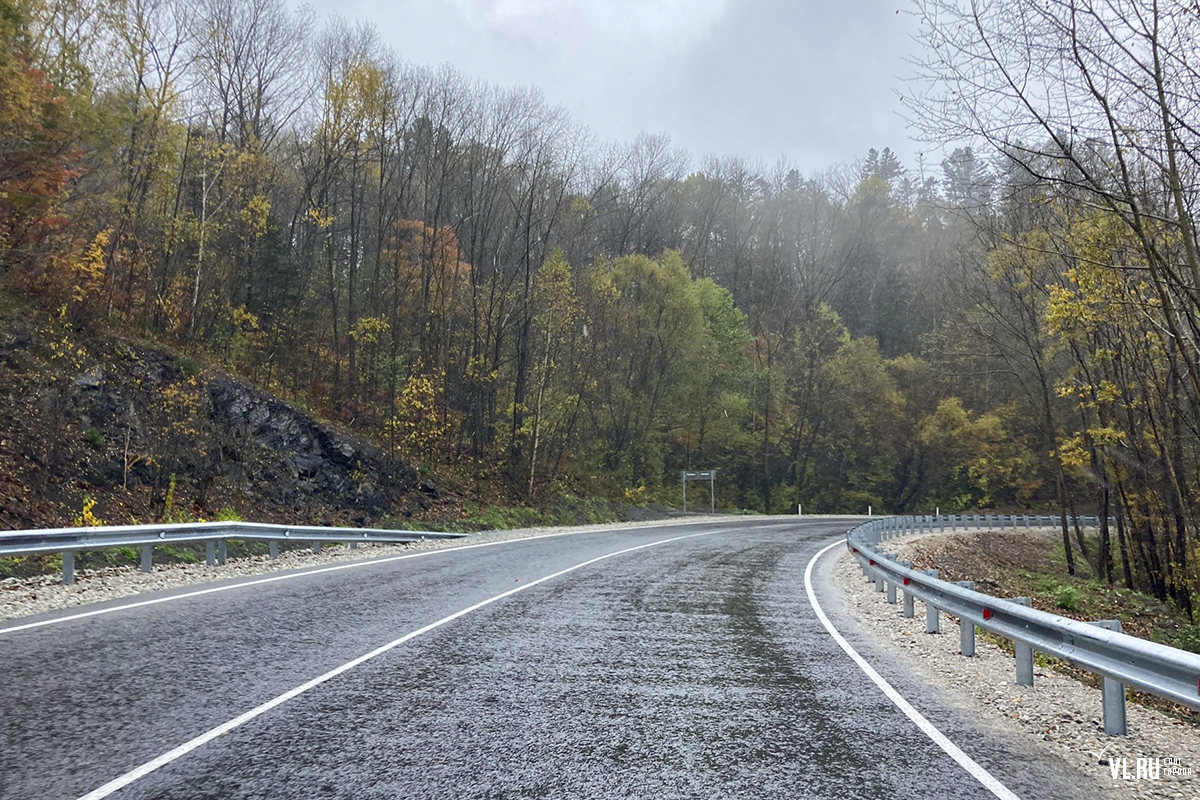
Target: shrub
[1068,598]
[87,518]
[1188,638]
[94,439]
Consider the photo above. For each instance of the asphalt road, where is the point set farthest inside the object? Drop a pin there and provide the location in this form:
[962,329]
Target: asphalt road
[695,668]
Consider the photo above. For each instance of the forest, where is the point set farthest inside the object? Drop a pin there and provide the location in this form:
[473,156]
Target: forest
[466,276]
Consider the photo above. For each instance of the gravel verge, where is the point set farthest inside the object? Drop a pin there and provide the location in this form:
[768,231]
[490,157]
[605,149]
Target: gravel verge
[21,597]
[1060,714]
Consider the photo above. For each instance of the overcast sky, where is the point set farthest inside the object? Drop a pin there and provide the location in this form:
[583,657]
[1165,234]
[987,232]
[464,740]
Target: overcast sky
[814,80]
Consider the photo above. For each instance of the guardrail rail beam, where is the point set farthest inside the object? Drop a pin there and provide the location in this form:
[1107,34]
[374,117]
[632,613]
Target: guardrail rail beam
[1101,648]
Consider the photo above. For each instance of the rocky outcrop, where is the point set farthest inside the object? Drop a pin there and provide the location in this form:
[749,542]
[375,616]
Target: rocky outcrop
[310,459]
[122,422]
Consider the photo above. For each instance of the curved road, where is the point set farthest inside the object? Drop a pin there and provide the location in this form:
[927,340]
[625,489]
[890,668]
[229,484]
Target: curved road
[694,667]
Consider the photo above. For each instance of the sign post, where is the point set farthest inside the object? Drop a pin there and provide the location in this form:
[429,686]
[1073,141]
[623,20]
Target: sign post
[709,475]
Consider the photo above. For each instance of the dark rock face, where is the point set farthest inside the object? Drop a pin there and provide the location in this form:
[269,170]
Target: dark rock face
[132,423]
[302,458]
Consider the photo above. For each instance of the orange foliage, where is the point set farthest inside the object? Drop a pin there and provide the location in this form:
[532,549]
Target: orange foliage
[38,150]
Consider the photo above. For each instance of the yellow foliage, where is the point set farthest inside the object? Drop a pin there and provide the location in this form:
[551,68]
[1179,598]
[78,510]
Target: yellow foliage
[1108,392]
[369,330]
[322,221]
[87,518]
[243,320]
[1071,452]
[255,216]
[89,268]
[66,357]
[477,370]
[182,403]
[1107,435]
[416,422]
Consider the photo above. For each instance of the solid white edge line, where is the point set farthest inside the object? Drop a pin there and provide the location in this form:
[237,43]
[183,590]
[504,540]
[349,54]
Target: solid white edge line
[204,738]
[366,562]
[980,774]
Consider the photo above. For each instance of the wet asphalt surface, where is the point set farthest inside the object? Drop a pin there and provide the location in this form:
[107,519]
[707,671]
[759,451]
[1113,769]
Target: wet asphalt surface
[694,669]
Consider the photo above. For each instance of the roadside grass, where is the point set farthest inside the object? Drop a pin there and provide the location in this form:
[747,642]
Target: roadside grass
[559,509]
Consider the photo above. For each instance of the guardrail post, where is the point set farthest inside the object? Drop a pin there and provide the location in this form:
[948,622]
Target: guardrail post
[1114,693]
[931,613]
[210,553]
[966,628]
[891,590]
[147,557]
[354,545]
[222,552]
[879,580]
[1024,652]
[274,549]
[316,547]
[908,596]
[68,570]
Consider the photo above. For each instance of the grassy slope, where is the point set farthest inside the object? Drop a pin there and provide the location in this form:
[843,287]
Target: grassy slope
[1034,565]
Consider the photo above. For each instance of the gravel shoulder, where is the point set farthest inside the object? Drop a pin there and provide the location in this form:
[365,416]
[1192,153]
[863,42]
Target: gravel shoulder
[21,597]
[1060,714]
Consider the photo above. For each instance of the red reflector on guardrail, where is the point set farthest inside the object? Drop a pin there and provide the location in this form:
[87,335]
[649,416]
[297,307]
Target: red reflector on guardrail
[987,613]
[906,581]
[872,561]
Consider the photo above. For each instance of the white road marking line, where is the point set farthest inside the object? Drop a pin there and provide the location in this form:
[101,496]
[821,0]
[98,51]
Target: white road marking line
[293,575]
[204,738]
[980,774]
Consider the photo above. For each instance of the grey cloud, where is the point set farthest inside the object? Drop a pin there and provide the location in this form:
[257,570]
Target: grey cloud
[814,81]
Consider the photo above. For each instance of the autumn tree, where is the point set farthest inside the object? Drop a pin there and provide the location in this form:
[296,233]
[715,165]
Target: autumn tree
[38,151]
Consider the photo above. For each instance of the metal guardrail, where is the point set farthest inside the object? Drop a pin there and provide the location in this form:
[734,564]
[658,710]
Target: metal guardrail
[213,534]
[1098,647]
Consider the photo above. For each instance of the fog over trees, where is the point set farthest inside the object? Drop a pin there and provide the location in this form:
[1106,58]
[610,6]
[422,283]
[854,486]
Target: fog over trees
[462,273]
